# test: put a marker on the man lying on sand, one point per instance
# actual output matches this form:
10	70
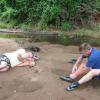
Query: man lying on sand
20	57
89	69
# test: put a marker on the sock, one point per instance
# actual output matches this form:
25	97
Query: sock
77	84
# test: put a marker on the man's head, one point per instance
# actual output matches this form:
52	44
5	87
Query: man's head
85	49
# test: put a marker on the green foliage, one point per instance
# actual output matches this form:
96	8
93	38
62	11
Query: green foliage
47	12
65	26
11	24
7	14
88	32
3	25
98	27
26	27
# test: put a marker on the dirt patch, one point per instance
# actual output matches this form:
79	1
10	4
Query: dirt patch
18	85
24	84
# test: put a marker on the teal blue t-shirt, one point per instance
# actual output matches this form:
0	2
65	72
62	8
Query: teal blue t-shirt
94	59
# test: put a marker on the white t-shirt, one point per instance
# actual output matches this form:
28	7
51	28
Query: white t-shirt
13	56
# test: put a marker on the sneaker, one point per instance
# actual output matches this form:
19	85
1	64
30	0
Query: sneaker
66	78
73	86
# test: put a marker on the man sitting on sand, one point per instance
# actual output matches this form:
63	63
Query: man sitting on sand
89	69
19	57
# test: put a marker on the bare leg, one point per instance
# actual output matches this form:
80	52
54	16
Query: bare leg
81	71
3	66
89	76
4	69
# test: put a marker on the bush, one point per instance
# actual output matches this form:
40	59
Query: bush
49	14
7	14
65	26
11	24
3	25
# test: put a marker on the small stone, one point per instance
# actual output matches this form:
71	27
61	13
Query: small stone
33	79
15	91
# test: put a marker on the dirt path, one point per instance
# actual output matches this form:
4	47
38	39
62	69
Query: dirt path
25	84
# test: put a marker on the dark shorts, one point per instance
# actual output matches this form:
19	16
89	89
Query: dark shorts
97	76
5	59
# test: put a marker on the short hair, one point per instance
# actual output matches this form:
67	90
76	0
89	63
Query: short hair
84	46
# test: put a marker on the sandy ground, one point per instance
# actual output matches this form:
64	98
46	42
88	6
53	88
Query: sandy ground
24	84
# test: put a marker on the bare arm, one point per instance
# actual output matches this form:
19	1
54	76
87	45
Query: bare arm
25	61
75	67
78	60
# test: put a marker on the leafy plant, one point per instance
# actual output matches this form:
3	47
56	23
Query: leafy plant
65	26
49	14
